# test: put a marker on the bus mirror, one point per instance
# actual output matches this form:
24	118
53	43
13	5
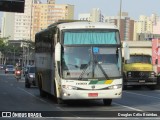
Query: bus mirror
126	51
58	52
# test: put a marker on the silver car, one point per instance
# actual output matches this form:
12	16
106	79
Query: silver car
30	77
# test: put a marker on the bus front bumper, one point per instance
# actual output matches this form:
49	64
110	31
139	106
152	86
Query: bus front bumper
91	94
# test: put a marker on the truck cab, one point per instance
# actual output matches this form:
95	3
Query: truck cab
138	71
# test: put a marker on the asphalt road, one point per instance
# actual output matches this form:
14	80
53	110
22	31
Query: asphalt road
15	97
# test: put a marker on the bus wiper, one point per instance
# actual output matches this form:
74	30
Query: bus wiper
84	70
104	73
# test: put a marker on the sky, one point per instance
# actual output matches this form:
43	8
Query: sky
112	7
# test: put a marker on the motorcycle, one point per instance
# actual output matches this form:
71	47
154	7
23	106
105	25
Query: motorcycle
18	75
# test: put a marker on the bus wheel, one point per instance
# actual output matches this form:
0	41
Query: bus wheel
42	93
107	102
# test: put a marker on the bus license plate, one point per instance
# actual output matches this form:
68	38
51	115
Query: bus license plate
141	81
92	94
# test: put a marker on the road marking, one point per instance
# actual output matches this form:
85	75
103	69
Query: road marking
36	97
32	95
142	95
132	108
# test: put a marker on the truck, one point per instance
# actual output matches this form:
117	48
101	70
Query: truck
139	69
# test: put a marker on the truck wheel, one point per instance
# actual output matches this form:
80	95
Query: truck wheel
107	102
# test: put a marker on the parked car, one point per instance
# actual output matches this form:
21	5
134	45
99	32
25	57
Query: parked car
30	77
9	69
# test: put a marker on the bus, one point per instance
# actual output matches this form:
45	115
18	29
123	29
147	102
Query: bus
79	61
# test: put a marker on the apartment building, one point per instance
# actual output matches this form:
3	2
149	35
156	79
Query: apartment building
37	16
126	25
146	27
94	16
16	26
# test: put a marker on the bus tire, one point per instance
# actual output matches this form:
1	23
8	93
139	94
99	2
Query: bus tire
107	102
42	93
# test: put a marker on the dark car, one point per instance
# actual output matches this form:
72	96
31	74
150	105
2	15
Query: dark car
30	76
9	69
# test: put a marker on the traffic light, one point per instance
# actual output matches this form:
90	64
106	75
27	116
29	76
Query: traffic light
12	6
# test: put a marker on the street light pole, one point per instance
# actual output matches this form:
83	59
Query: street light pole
120	12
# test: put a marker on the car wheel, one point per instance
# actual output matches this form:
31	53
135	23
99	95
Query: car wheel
27	84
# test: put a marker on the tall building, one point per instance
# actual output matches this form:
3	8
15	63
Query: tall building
94	16
46	14
37	16
144	27
16	26
126	26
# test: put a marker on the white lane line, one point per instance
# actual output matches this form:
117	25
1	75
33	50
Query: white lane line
38	97
142	95
132	108
32	95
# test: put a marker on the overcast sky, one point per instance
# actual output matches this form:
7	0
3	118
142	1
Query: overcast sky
111	7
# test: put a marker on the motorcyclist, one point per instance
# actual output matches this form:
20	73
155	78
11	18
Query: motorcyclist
18	72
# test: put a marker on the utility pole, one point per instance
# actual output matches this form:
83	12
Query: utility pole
120	13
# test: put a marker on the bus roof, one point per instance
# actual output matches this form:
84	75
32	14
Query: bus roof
89	25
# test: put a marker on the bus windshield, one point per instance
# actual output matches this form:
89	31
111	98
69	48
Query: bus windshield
139	59
90	62
97	36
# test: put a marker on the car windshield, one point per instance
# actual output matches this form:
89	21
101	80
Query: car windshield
10	66
90	62
139	59
32	70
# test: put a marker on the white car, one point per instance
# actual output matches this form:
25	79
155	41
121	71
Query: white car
9	69
30	77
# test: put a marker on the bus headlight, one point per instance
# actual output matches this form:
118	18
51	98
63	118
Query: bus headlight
69	87
115	86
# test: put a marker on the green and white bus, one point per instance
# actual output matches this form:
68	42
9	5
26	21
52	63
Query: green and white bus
78	61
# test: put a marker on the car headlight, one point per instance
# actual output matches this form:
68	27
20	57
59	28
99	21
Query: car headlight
31	76
69	87
115	86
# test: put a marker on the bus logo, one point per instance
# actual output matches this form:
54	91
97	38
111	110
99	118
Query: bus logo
93	86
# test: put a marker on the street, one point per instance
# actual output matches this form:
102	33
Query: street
15	97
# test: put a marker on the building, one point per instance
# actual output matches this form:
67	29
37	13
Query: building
17	26
146	27
94	16
126	26
37	16
85	16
